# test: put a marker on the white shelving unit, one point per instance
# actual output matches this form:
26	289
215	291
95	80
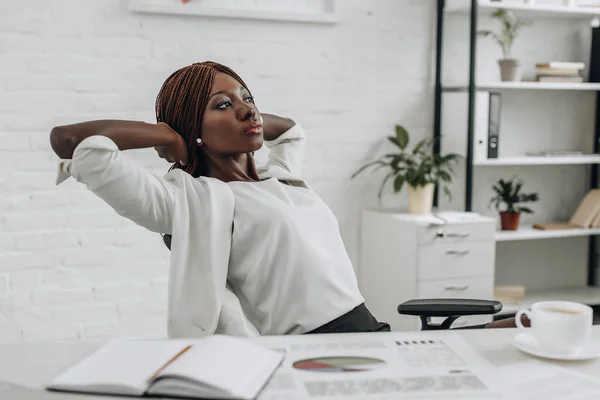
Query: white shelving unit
528	233
526	86
538	10
535	160
586	295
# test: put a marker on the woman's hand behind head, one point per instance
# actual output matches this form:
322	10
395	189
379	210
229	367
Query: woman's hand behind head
176	150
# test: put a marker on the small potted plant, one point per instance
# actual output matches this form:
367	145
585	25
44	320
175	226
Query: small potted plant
420	169
507	199
510	68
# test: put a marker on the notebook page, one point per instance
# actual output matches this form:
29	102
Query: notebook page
119	367
233	365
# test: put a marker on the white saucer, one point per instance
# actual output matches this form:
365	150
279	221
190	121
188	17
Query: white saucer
527	344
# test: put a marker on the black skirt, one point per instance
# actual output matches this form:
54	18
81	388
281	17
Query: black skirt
358	319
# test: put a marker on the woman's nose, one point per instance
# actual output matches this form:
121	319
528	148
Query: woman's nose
248	113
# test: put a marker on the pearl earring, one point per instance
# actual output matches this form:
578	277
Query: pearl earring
199	141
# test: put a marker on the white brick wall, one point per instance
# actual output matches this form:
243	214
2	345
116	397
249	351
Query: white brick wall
70	268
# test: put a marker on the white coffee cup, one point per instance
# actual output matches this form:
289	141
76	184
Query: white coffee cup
561	327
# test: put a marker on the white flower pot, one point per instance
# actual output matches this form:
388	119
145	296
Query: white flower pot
420	199
510	70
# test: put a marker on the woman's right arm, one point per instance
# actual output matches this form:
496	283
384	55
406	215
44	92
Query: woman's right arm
91	153
125	134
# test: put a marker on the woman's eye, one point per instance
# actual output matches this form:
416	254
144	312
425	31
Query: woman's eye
250	99
224	105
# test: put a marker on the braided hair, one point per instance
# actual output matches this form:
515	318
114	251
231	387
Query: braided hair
181	103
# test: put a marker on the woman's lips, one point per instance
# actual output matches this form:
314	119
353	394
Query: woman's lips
253	130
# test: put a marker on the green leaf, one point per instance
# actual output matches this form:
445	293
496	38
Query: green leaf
419	146
525	210
361	169
395	141
402	136
398	183
387	177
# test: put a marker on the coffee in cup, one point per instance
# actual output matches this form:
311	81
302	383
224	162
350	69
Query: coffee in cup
561	327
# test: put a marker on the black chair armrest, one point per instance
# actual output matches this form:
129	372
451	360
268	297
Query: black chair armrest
452	309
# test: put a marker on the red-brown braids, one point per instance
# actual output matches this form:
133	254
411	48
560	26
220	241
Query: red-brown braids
181	102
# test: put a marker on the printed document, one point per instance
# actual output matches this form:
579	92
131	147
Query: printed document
406	365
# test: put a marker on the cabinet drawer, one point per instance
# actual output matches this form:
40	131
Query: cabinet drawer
456	233
456	260
468	288
465	288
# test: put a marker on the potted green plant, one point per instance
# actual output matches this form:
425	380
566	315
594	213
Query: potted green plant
420	169
510	68
507	199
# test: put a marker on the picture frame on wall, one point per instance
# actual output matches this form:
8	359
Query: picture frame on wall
303	11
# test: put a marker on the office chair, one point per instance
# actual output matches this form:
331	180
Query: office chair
452	309
425	309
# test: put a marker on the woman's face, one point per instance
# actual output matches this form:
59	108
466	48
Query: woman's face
231	124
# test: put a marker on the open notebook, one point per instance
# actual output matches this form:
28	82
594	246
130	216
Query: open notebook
216	367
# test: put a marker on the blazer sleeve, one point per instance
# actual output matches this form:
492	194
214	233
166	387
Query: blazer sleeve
130	189
287	151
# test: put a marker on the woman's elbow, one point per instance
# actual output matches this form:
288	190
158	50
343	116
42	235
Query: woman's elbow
62	142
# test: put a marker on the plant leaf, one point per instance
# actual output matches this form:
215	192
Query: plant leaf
361	169
395	141
447	192
387	177
398	183
402	136
419	146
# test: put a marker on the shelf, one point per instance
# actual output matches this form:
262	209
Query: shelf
526	86
533	160
527	10
528	233
198	10
585	295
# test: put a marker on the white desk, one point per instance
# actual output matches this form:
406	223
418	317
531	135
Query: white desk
36	364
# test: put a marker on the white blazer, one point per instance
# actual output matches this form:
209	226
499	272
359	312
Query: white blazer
198	212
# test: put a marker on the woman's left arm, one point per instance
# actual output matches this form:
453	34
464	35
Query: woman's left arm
286	142
274	126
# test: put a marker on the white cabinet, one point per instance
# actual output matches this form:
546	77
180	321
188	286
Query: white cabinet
407	256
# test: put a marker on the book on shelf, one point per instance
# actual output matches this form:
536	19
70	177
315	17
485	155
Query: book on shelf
509	294
567	79
587	214
544	71
216	367
559	71
562	65
554	226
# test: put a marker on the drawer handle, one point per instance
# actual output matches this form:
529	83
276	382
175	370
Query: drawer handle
456	288
441	234
458	252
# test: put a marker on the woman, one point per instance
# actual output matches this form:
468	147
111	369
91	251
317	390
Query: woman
254	251
287	263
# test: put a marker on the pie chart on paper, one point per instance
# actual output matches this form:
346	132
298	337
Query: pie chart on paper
339	364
